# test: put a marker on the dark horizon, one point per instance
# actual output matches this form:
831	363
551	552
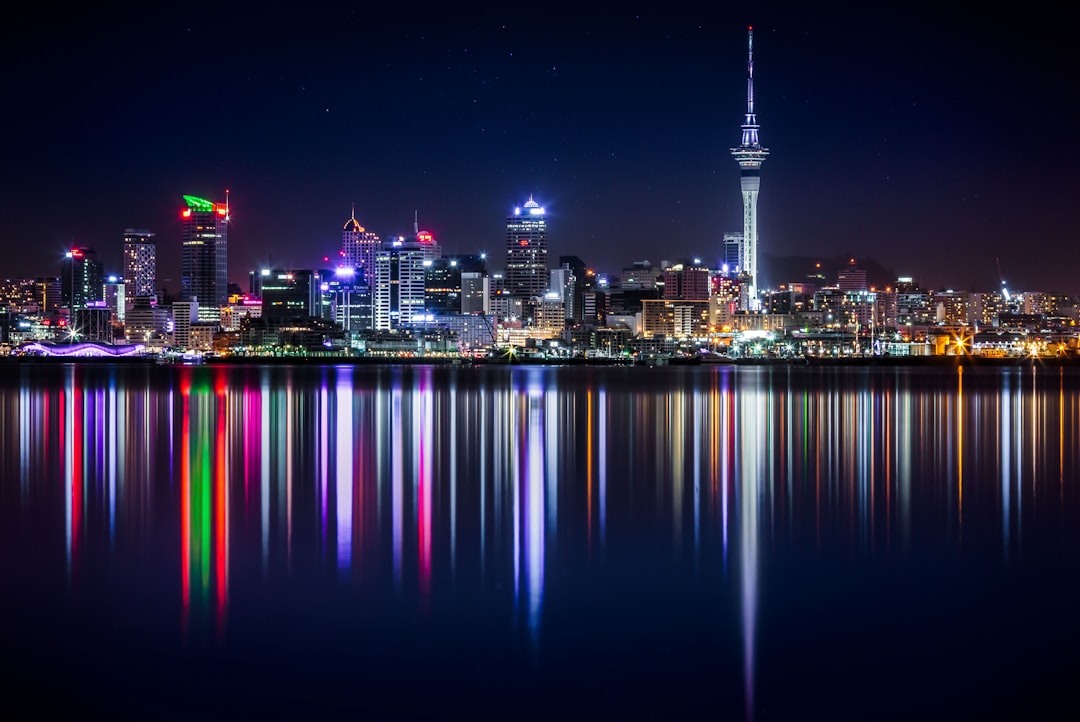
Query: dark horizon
912	137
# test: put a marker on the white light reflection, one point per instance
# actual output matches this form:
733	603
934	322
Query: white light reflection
397	476
323	460
751	418
343	472
534	515
554	447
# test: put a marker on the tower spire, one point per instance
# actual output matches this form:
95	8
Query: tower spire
750	124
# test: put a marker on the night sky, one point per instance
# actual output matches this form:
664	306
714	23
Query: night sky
928	139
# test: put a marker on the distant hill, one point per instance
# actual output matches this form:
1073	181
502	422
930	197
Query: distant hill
775	270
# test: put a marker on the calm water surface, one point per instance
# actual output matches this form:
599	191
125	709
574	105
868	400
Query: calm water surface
742	543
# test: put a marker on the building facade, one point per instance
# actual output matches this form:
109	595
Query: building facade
399	284
140	262
526	273
204	254
359	247
82	278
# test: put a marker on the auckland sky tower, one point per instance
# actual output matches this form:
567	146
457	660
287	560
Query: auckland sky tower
750	155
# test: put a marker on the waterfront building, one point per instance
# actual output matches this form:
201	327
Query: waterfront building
81	278
526	273
289	294
912	303
358	249
20	295
116	297
687	281
675	318
549	315
950	307
47	293
750	155
146	321
399	283
140	262
185	315
204	255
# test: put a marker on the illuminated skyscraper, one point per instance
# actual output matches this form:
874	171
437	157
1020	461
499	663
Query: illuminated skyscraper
358	249
750	155
526	251
204	255
82	279
140	262
399	283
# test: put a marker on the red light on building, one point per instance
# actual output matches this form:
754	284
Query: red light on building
220	211
523	242
76	253
186	213
425	237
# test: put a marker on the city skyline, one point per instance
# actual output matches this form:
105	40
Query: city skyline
906	138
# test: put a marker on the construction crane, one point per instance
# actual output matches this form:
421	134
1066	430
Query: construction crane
1001	277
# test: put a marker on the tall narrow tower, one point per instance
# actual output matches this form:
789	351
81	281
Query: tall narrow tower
204	255
526	251
750	155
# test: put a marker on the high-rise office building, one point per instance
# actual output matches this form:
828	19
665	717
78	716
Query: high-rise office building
82	278
204	255
686	281
750	155
48	293
526	251
290	294
575	300
733	259
140	262
358	249
399	283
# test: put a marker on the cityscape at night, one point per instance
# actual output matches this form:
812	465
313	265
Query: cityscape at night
207	267
534	362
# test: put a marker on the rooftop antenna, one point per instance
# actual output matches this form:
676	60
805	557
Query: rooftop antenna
227	205
416	223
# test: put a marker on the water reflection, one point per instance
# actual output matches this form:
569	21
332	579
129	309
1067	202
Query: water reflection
431	482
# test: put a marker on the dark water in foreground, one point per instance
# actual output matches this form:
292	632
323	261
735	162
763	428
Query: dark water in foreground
749	542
